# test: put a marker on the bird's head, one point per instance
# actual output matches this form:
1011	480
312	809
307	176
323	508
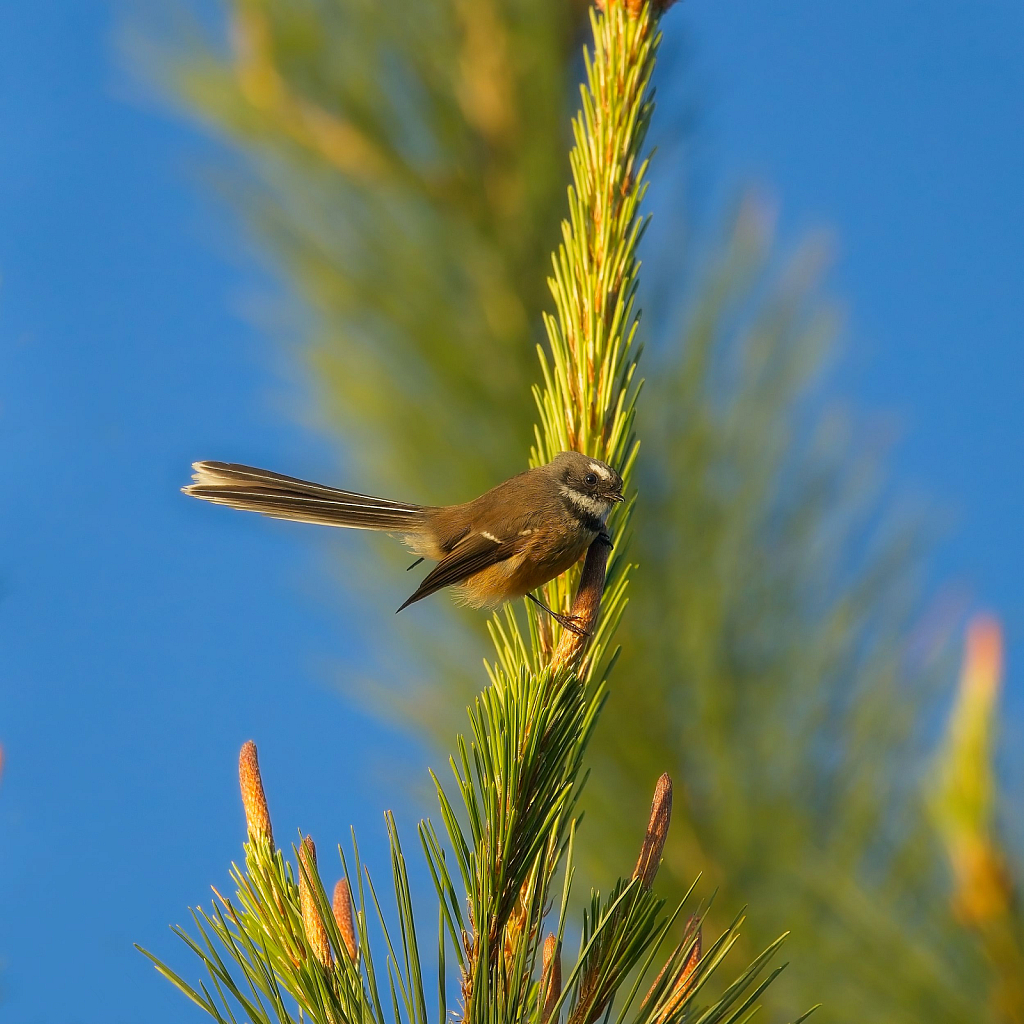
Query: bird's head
588	484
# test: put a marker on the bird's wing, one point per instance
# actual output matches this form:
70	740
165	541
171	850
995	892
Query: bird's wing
474	554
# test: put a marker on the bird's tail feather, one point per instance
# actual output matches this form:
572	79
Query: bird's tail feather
285	497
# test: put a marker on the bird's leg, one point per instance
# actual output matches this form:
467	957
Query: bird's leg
605	538
565	621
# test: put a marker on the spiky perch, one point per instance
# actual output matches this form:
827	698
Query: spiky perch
590	388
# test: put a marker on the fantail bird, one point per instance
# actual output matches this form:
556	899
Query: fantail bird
504	544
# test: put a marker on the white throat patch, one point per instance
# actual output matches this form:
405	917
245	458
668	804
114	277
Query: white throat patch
586	502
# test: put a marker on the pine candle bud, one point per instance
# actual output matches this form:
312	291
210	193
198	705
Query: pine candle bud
634	6
683	982
342	907
254	800
551	977
316	933
677	992
657	832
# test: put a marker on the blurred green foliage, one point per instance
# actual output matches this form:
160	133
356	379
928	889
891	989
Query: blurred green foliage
964	800
406	171
411	177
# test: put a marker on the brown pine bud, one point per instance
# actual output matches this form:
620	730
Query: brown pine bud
673	999
633	7
683	982
312	925
342	907
551	977
254	800
657	832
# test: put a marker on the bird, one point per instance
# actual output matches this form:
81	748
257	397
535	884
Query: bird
505	544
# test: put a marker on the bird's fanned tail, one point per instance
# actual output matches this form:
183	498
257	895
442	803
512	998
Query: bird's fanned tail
286	497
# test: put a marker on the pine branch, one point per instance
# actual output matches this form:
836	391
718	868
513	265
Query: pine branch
280	947
588	401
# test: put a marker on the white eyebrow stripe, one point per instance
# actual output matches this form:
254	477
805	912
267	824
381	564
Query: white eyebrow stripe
601	471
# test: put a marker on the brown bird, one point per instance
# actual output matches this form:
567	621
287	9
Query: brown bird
504	544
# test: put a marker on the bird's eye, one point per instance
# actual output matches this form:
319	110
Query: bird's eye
590	480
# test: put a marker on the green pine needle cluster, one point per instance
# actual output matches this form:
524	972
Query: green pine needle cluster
503	866
588	402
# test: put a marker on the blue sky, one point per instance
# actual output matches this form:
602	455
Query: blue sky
143	641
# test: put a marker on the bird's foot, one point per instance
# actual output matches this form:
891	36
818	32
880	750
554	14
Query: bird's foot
568	622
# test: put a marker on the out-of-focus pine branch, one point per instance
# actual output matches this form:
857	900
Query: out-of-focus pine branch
964	798
409	180
280	950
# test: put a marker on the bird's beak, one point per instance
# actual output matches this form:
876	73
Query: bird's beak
617	497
